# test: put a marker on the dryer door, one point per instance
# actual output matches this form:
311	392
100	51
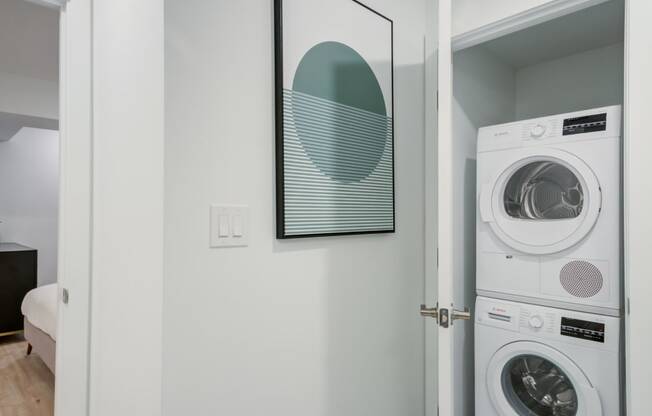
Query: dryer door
545	202
531	379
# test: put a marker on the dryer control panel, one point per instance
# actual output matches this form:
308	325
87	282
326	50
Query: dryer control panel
585	124
593	124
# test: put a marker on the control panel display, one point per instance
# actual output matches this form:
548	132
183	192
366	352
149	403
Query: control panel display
577	328
585	124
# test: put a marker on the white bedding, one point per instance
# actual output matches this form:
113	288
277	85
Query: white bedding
40	308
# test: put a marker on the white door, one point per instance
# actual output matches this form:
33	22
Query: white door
442	397
445	208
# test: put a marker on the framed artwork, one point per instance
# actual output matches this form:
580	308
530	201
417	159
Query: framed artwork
334	119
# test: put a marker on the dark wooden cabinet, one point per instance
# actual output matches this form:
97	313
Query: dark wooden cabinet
17	277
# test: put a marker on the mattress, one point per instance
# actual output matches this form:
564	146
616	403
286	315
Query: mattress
40	308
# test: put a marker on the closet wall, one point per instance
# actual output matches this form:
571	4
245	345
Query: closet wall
488	90
577	82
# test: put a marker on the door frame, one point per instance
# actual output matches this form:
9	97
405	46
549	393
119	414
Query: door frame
637	195
75	206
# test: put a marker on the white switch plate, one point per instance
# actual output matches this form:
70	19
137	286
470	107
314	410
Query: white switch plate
229	225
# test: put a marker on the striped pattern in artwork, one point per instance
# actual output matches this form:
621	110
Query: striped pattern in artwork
338	163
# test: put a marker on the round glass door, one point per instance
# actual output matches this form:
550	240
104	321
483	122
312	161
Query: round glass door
543	202
527	378
534	386
543	190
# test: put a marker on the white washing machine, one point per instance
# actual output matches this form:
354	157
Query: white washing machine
542	361
548	222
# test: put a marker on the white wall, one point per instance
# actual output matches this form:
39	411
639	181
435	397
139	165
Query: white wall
490	91
577	82
29	195
29	39
484	87
29	36
29	96
127	245
325	326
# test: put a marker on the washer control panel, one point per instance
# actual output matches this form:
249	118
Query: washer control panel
546	323
578	328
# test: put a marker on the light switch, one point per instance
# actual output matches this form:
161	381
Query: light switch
229	225
236	225
224	221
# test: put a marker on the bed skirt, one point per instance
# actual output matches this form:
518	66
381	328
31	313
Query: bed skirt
42	344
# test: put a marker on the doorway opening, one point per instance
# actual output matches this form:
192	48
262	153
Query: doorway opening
29	206
568	64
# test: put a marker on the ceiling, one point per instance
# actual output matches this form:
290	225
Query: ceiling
10	124
29	40
587	29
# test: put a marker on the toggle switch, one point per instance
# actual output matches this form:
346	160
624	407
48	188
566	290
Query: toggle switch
229	225
236	222
223	226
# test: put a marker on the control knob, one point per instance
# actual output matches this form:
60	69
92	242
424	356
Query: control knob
538	131
536	321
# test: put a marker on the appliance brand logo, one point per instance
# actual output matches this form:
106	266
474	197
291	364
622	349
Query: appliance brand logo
501	133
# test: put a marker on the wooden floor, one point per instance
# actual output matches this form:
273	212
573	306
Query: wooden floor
26	384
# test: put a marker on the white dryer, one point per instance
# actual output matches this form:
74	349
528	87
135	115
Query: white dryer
541	361
548	222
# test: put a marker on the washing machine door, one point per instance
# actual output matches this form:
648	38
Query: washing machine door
531	379
545	202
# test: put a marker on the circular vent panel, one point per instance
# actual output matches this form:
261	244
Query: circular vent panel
581	279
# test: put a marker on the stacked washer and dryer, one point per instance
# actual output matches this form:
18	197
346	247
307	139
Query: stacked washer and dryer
548	327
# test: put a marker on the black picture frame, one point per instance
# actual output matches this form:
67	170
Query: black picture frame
279	131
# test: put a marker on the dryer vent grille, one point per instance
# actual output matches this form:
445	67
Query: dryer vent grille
581	279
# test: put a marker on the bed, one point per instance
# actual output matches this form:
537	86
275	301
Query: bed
39	310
